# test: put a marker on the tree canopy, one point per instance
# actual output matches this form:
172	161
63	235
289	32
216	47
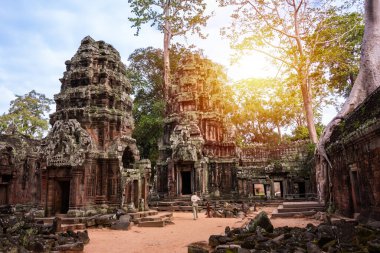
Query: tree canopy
290	33
27	114
145	73
173	18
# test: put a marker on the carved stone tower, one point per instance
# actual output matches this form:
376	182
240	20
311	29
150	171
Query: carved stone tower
197	153
91	156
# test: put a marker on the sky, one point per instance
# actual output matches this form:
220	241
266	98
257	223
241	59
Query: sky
38	36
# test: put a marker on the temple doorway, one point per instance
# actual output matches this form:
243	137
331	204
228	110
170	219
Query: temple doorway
355	191
301	189
278	191
3	194
62	196
186	182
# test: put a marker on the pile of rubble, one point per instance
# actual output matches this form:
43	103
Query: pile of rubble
19	232
260	236
229	210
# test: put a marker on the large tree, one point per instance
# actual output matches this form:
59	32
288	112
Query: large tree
288	33
145	73
173	18
337	60
262	108
366	82
27	115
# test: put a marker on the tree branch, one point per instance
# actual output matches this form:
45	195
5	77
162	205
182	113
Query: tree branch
274	57
267	23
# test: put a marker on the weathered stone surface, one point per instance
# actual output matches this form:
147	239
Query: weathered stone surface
105	220
22	234
199	247
336	237
77	246
354	151
123	223
262	221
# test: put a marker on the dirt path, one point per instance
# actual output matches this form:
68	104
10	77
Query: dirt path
171	238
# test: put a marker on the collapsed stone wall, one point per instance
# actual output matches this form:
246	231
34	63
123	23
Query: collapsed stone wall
354	151
21	170
266	164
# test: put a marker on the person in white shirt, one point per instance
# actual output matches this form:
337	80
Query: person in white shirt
194	201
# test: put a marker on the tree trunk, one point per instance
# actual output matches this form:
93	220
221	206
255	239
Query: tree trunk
279	133
167	37
303	77
308	107
366	82
368	78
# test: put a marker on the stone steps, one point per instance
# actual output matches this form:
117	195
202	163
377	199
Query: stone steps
301	208
78	226
281	209
159	220
301	204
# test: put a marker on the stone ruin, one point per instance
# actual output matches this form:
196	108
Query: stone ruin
198	151
88	163
259	235
354	151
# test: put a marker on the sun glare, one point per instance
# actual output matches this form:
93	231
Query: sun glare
251	65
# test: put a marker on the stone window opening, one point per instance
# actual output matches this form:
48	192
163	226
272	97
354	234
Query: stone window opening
258	190
128	158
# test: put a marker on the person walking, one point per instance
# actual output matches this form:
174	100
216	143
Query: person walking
194	200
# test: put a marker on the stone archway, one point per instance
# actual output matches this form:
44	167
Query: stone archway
128	158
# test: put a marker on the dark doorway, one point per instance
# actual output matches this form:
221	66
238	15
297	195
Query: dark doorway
355	191
278	190
128	158
301	189
3	194
186	182
65	196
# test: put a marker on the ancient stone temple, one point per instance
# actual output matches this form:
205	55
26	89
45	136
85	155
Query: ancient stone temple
90	152
88	162
21	166
354	151
275	171
198	151
196	145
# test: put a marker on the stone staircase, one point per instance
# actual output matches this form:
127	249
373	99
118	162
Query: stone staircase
158	220
150	218
303	208
65	223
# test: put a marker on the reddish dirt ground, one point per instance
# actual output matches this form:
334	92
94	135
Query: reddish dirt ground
172	238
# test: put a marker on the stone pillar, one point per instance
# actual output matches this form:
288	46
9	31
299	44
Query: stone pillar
50	196
205	177
104	177
75	190
240	186
271	188
171	179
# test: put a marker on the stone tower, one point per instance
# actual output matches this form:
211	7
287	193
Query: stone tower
197	153
92	160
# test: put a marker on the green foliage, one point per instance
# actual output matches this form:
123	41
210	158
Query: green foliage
261	108
296	36
27	114
145	72
339	57
301	132
183	16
